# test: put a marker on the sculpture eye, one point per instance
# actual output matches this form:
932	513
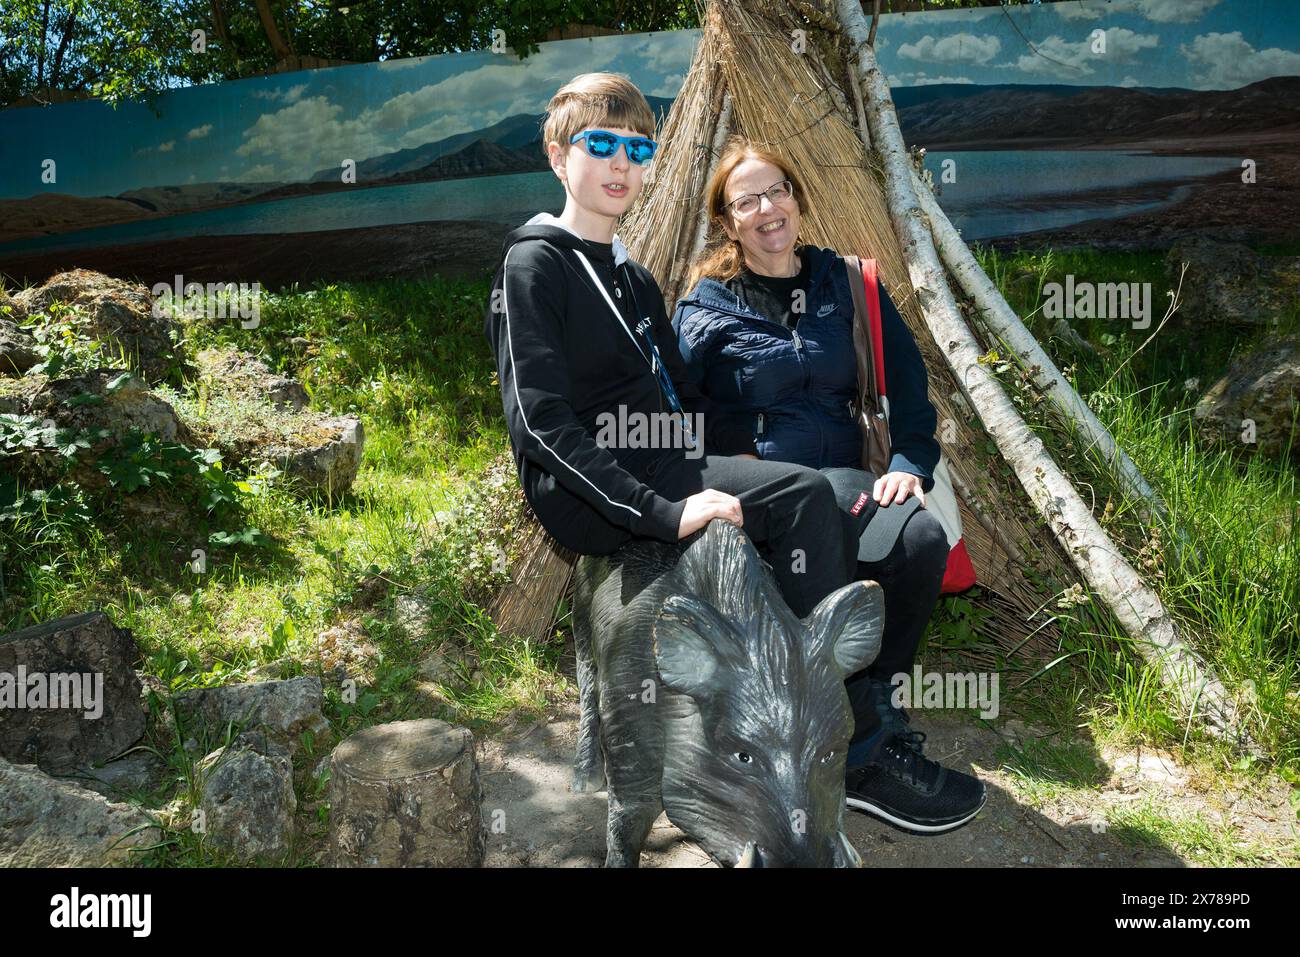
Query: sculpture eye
829	756
743	757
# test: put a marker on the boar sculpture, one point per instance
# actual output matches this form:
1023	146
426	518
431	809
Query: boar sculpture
704	696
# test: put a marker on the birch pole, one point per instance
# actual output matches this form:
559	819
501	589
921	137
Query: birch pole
1002	321
1197	691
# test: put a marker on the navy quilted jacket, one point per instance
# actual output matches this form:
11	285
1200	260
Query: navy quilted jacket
795	386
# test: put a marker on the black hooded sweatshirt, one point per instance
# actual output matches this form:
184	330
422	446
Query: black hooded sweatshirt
563	359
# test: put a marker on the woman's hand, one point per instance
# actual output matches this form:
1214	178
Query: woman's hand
894	487
702	507
745	455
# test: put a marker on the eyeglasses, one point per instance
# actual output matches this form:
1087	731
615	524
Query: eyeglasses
603	144
776	193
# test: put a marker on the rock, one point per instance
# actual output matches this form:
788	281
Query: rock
247	799
155	686
121	317
155	507
330	462
412	615
406	794
61	739
46	822
444	664
1262	387
122	403
13	394
10	308
1149	767
428	698
285	708
105	404
321	453
1229	282
238	372
272	670
140	771
17	349
372	589
344	650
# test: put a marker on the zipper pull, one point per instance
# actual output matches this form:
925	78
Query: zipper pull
798	343
760	423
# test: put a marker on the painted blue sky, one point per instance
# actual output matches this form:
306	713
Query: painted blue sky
284	128
1196	44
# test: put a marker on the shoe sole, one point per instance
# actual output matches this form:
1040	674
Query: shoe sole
916	827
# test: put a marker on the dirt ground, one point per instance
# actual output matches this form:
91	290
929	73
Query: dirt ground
541	823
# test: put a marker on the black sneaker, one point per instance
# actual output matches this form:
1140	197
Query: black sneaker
904	787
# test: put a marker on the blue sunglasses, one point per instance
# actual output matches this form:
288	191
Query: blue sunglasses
603	144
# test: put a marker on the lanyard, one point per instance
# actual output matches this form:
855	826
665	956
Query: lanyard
643	328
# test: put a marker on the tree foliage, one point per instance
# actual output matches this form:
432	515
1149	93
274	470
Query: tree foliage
51	50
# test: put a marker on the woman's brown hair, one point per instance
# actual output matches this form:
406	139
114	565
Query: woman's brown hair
722	259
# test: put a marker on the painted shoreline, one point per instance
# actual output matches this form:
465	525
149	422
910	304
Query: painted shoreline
1218	205
461	248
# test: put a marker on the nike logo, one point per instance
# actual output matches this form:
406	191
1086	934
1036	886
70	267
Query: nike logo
826	310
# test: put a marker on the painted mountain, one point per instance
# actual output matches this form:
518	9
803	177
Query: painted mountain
513	145
518	140
957	115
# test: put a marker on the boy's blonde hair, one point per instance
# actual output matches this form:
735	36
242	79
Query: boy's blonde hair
596	100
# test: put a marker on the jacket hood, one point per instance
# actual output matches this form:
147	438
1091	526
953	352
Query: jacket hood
548	227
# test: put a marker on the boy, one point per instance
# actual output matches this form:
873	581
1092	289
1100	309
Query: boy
581	339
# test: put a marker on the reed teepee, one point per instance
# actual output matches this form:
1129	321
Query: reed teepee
801	79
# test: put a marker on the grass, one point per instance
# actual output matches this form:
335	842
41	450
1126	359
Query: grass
411	359
401	565
1236	592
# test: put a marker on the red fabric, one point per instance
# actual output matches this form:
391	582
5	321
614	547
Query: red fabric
873	315
960	573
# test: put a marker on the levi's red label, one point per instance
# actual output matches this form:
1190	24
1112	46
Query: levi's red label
857	506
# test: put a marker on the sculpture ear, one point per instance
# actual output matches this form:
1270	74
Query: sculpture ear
848	623
689	637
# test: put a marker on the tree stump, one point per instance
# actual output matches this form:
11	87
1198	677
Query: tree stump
406	794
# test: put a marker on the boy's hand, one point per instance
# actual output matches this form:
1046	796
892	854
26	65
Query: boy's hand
702	507
745	455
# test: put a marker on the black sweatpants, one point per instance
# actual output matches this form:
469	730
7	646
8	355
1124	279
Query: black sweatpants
787	506
784	507
910	577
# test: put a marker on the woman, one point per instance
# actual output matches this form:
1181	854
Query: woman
766	332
